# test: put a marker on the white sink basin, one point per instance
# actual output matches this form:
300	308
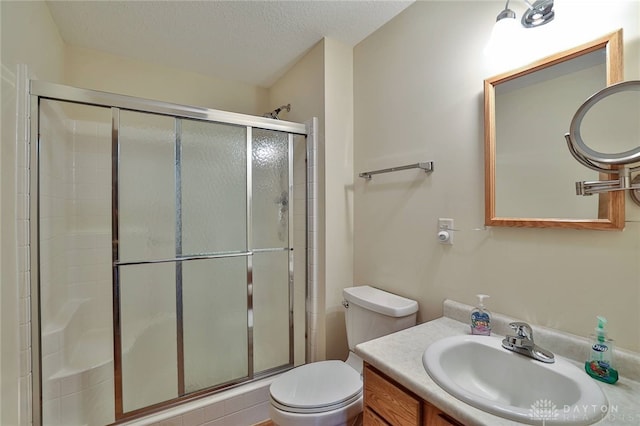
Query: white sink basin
480	372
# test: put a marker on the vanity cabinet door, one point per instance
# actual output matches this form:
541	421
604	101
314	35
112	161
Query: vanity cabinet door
435	417
372	419
388	401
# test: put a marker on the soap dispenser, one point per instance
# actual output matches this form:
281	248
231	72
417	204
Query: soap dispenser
481	318
599	365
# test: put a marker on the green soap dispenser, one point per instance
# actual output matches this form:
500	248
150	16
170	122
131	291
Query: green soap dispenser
599	365
481	318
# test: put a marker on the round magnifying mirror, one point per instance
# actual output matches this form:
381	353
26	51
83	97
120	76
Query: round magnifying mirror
635	193
606	128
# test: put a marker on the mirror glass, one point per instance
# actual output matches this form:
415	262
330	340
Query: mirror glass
612	125
529	173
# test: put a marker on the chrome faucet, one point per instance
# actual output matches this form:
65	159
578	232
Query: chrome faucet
522	343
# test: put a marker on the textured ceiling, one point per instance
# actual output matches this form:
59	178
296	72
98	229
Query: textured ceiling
249	41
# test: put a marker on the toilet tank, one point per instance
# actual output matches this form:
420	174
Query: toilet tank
372	313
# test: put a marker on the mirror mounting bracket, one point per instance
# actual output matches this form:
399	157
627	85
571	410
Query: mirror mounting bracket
599	161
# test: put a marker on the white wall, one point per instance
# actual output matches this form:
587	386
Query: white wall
418	97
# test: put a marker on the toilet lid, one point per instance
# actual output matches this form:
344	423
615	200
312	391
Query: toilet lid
325	384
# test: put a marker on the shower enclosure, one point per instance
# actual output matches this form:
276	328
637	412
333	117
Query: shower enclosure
169	252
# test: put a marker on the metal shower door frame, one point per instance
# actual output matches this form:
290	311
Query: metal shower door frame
50	91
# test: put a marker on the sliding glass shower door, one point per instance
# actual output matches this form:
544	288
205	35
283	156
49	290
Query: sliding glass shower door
145	226
214	178
203	255
208	265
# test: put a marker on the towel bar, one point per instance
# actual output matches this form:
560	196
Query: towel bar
426	166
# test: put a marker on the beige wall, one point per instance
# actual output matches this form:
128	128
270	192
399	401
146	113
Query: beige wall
418	97
338	97
302	86
92	69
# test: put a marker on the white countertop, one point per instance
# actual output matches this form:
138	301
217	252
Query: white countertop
399	356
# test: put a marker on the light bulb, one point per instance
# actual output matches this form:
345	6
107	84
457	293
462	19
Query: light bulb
502	38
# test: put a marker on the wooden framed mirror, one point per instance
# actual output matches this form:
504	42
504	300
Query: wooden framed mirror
529	173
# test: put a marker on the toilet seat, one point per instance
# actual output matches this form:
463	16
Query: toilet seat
316	388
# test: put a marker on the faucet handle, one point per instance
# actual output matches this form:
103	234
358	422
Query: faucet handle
522	329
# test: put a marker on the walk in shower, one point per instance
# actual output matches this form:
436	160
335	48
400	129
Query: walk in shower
169	252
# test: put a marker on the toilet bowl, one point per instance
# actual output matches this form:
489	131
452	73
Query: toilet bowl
325	393
329	393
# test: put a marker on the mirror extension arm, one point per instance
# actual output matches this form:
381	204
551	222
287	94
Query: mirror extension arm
598	161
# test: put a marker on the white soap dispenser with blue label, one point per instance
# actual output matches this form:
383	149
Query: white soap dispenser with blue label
481	318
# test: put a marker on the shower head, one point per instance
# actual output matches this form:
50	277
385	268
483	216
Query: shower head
274	114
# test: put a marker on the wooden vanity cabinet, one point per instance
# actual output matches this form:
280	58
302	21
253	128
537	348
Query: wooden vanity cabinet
387	403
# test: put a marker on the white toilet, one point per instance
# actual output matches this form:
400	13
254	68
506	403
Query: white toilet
329	393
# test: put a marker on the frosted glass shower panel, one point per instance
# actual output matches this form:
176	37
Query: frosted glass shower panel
270	153
74	217
148	334
213	174
214	294
271	310
147	187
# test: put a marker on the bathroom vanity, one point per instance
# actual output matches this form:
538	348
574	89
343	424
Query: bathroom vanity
387	402
399	391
